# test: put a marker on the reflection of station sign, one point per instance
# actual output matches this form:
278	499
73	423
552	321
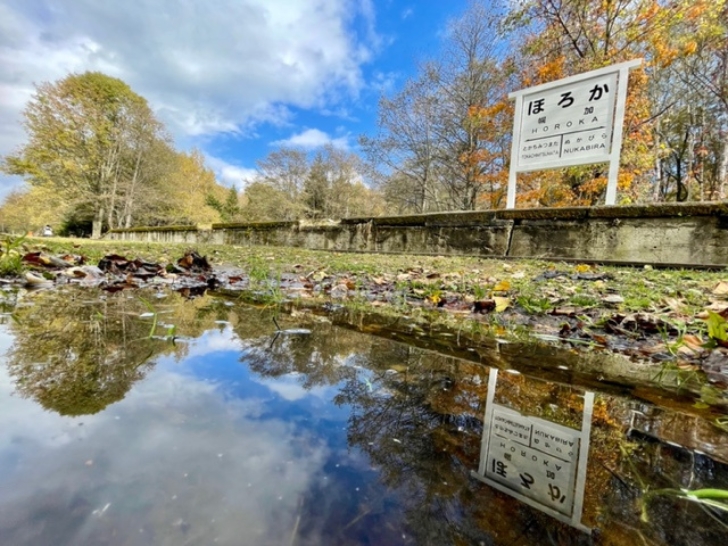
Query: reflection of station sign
573	121
536	461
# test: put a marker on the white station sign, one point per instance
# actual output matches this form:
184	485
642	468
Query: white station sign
569	125
573	121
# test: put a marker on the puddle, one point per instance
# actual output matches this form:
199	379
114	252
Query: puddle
128	420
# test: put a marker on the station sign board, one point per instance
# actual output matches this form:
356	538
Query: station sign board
572	121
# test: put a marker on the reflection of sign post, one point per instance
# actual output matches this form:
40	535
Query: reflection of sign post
573	121
538	462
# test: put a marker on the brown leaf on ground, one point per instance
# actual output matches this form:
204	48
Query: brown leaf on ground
192	261
674	304
485	306
717	307
41	259
644	322
693	341
721	289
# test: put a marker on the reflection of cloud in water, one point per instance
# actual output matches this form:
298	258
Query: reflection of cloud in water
174	461
23	423
289	388
215	341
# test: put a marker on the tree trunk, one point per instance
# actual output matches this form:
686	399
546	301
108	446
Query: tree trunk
723	168
657	191
97	224
129	201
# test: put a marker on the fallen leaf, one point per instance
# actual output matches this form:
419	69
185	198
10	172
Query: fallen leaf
692	341
582	268
717	307
485	306
31	279
564	311
721	289
686	351
675	304
501	304
502	286
613	299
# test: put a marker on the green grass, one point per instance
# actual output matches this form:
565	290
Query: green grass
11	256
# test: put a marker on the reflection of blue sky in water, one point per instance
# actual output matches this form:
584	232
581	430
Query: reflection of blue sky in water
199	450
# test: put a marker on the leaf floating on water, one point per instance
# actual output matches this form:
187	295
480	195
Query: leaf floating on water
31	279
100	511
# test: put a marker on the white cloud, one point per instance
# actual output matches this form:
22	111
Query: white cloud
230	174
311	139
206	68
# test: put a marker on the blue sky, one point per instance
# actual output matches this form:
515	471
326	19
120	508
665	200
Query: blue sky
234	78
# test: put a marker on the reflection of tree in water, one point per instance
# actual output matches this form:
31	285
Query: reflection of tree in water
326	357
77	352
417	417
416	414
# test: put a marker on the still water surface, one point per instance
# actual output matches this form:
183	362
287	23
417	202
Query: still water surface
145	419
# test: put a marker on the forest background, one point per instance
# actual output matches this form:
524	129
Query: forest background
96	154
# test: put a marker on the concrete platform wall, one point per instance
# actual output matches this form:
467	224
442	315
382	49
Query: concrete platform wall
676	234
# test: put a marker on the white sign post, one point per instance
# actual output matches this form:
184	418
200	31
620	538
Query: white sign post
574	121
541	463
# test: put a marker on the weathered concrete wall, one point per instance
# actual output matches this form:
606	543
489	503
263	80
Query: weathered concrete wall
694	234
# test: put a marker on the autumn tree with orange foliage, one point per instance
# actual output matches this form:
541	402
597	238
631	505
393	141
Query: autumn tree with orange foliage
560	38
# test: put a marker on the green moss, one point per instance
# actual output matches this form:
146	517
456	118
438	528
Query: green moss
254	225
565	213
659	210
